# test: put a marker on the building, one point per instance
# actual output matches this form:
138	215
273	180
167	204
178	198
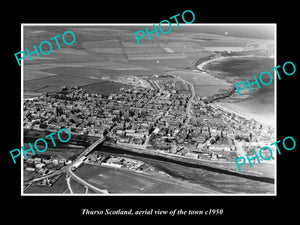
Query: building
112	165
78	163
40	165
191	155
30	169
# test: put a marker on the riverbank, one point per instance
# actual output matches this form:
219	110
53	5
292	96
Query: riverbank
261	172
216	179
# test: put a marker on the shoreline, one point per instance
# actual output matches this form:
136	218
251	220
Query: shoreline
237	108
219	58
225	106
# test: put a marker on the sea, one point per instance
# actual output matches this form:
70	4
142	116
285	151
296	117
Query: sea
260	105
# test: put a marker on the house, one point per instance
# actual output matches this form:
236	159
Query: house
205	130
43	171
124	139
120	132
55	161
40	165
137	135
138	141
30	169
92	157
219	148
62	162
214	157
191	155
222	158
37	160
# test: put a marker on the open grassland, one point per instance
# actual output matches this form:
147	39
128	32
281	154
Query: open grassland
85	72
176	63
30	74
133	43
204	84
105	87
107	50
74	71
155	56
43	60
222	182
125	181
113	51
143	50
56	82
90	79
76	187
103	44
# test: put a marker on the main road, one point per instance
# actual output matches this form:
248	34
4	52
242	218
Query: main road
78	179
83	182
69	171
188	108
90	148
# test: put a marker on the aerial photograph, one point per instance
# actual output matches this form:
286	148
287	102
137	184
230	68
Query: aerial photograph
162	117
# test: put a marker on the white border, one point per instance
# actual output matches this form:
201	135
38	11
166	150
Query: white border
147	24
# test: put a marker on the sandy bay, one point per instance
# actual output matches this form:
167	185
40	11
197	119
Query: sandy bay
260	104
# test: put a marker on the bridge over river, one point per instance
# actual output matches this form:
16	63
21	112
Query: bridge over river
68	169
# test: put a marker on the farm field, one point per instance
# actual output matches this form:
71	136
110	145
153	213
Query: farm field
143	50
204	84
156	56
101	51
107	50
123	181
55	82
205	178
103	44
105	87
35	74
76	187
96	73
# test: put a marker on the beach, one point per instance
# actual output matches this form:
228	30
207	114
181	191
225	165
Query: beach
202	65
242	109
260	105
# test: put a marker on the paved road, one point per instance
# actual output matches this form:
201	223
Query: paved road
57	172
84	183
239	148
84	153
188	108
78	179
90	148
69	185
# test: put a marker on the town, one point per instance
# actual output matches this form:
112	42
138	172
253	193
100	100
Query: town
167	119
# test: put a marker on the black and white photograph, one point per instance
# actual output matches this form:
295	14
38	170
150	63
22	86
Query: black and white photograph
145	117
145	113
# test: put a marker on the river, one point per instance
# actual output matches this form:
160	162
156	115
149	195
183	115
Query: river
208	177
